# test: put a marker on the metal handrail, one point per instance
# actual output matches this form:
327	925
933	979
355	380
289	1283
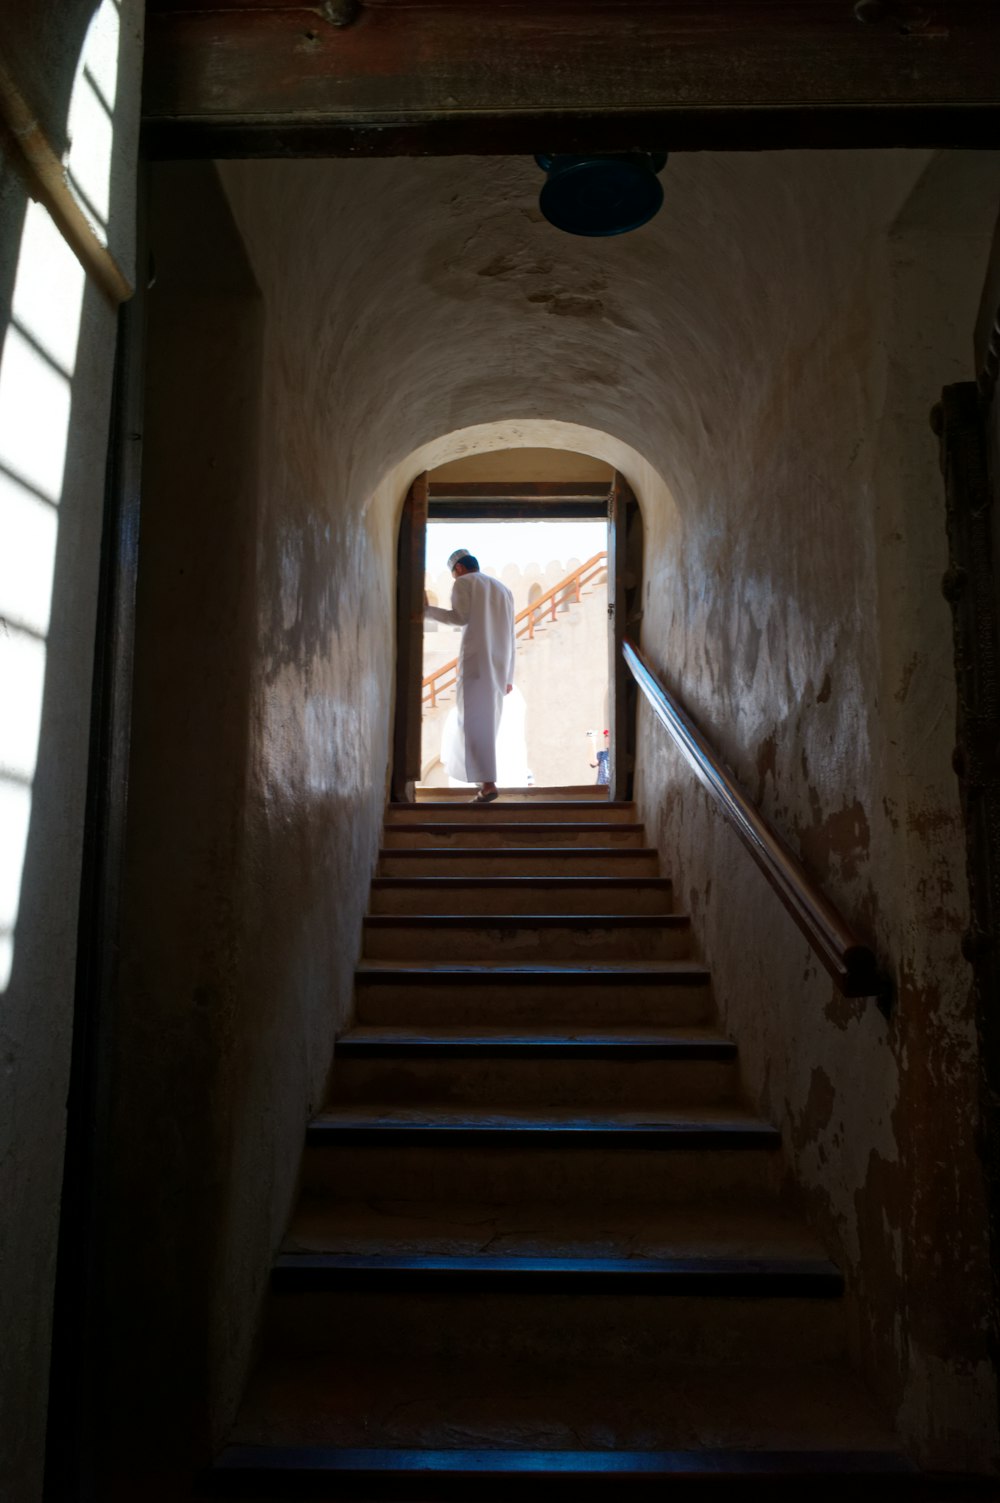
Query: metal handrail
851	963
524	622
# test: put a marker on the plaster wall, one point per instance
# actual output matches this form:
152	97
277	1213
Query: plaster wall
801	619
183	1011
261	716
758	362
58	334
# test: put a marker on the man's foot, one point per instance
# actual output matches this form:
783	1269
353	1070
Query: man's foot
486	795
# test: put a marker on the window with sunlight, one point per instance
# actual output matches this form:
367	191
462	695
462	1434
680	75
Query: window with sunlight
37	371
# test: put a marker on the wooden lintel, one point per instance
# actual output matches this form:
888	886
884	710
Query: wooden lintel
516	501
485	76
517	511
519	490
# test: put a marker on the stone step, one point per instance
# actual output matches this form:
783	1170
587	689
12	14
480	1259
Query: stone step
488	833
540	861
301	1274
671	993
544	1068
620	1045
521	894
502	1408
689	1154
488	1476
542	1311
501	811
537	937
592	1230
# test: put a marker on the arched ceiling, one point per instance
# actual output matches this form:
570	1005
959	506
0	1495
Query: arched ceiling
431	296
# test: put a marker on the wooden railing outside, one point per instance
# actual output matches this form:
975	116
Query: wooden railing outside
444	678
850	962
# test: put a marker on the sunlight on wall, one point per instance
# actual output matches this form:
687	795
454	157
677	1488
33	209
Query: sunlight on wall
91	119
36	391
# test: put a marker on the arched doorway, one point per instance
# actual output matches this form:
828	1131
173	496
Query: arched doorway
602	593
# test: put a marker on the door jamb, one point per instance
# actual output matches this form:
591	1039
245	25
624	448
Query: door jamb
540	501
967	421
625	611
411	551
75	1421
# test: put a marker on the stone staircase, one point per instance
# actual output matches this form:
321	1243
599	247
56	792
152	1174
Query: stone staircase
541	1246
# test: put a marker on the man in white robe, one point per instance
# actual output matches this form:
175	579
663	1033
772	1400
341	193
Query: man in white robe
484	609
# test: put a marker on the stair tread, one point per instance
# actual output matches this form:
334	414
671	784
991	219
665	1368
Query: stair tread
517	880
569	827
639	1036
540	803
454	1274
570	970
444	1116
555	1263
484	853
435	1228
481	1464
389	1041
530	920
495	1405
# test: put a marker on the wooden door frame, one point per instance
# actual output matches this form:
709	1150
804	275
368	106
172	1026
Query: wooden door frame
967	421
516	501
76	1422
411	547
625	612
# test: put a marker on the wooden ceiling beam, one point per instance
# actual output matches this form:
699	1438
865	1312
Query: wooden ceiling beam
401	77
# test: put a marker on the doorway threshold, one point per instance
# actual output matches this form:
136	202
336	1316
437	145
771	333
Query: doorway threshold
598	792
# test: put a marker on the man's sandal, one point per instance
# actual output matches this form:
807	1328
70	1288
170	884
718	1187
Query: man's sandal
485	798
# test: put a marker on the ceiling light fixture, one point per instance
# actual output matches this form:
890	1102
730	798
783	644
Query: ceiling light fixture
601	195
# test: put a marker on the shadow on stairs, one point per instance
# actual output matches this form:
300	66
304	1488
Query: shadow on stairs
543	1246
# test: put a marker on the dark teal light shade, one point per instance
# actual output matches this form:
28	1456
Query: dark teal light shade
607	195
